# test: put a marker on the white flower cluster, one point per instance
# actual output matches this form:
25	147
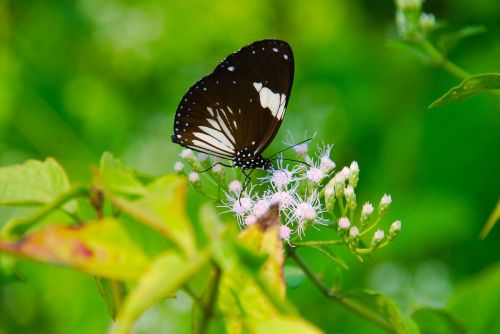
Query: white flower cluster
310	194
288	189
412	23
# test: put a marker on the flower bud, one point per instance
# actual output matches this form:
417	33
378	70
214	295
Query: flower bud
343	226
366	212
354	174
194	177
339	183
187	154
353	237
350	197
409	4
235	186
378	236
394	230
384	205
217	169
178	167
202	157
427	21
330	196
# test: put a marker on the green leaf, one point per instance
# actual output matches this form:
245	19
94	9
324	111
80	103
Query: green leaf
476	301
34	183
448	41
492	220
409	47
436	321
283	324
331	255
165	276
470	86
386	308
162	208
101	248
18	226
113	292
294	277
117	177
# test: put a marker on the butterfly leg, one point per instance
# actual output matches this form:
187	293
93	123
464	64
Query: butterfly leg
215	164
245	182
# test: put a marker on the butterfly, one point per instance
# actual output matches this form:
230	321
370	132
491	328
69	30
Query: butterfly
236	111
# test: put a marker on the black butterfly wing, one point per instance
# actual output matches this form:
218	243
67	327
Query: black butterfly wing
241	104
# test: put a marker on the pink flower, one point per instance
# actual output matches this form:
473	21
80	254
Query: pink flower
194	177
261	207
344	223
235	186
250	220
315	175
285	232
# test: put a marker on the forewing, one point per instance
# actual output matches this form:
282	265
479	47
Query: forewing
241	104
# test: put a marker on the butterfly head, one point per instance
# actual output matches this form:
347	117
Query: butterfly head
247	159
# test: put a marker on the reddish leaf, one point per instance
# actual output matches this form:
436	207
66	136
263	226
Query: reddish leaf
102	248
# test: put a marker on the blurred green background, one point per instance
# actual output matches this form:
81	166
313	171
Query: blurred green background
81	77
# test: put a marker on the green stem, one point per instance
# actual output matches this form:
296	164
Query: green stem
19	226
342	207
440	60
370	227
350	304
211	298
317	243
371	250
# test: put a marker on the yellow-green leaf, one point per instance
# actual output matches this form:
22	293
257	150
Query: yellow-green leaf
117	177
101	248
163	208
283	325
470	86
34	183
251	290
165	276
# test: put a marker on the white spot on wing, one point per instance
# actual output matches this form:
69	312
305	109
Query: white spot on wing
275	49
273	101
212	141
225	129
231	68
214	124
211	111
208	148
217	135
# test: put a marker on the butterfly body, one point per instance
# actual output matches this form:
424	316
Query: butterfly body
236	111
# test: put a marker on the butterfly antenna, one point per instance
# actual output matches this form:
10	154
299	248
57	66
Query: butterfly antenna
302	162
302	142
215	164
